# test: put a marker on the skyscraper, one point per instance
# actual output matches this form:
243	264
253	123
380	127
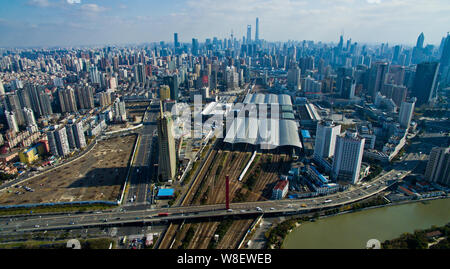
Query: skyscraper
406	112
425	81
420	41
175	40
293	78
67	100
164	92
172	82
249	34
325	143
438	167
377	77
194	46
139	73
12	123
257	30
58	142
12	104
29	116
348	157
167	157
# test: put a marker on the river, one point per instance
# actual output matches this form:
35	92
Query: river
353	230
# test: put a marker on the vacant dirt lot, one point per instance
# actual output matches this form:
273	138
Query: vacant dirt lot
96	176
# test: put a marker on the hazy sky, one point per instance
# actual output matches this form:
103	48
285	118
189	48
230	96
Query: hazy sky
92	22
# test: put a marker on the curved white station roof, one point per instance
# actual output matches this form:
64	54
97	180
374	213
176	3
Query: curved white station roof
259	98
268	133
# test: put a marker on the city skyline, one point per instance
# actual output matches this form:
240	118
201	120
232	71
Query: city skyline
48	23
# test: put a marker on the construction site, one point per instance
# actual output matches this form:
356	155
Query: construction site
97	175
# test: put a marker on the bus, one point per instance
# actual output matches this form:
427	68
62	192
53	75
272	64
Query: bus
328	201
163	214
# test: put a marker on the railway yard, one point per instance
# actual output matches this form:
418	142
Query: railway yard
209	188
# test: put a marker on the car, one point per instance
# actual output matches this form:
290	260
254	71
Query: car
259	208
229	210
71	223
36	226
272	208
105	220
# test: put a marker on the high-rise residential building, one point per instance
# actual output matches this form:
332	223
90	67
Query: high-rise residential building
2	88
120	113
29	116
438	167
325	143
164	92
140	73
70	137
293	78
78	131
12	122
348	157
67	100
377	78
85	97
167	156
12	104
249	34
257	30
425	82
406	112
45	104
58	142
232	78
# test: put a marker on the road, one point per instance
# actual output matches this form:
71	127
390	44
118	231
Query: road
142	170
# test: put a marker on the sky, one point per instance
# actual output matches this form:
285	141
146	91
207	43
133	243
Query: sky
35	23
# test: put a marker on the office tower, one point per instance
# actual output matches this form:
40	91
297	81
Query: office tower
175	40
172	82
194	46
78	132
397	52
293	79
257	30
29	116
67	100
348	157
377	77
12	104
164	92
406	112
12	122
348	88
438	167
139	73
395	92
396	75
167	158
420	41
85	97
249	34
445	62
425	82
57	140
325	143
120	113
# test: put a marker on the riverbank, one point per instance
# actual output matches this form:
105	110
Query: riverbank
276	235
386	216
